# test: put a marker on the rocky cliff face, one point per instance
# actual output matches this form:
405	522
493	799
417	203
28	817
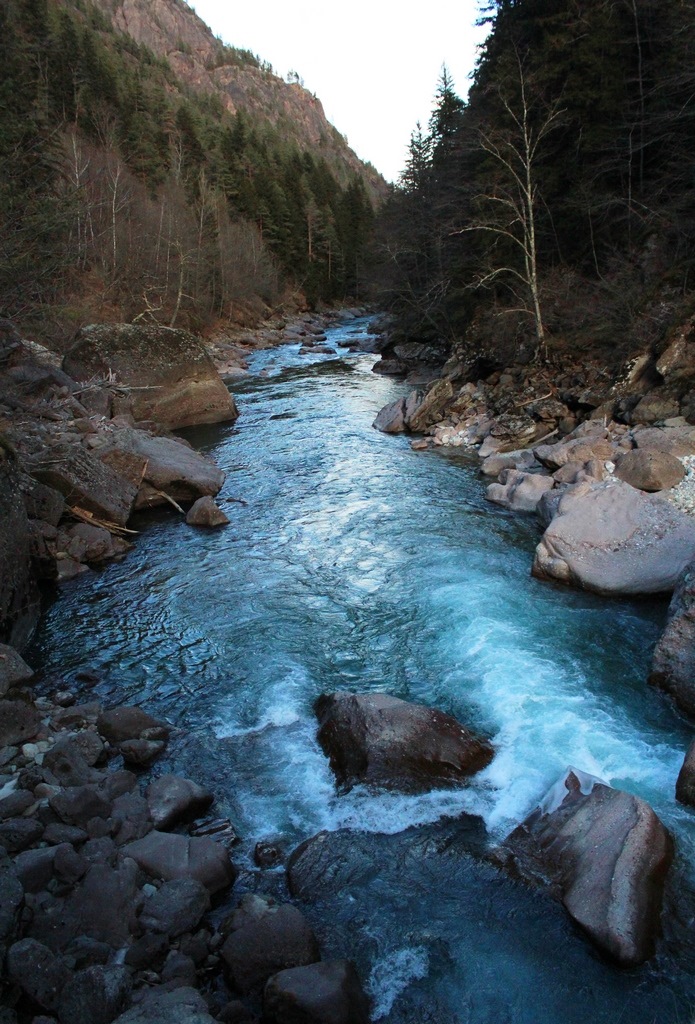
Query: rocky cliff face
172	30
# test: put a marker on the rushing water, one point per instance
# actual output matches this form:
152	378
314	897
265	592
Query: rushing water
353	562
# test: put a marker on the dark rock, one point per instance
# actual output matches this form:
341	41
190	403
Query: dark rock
176	907
13	669
204	512
77	805
167	856
673	662
268	853
182	1006
265	939
15	804
18	833
656	407
42	502
131	813
19	597
35	868
87	482
11	903
430	409
172	799
86	952
379	740
68	865
141	753
19	722
149	952
84	912
178	970
685	785
391	419
67	763
649	470
100	851
606	855
118	784
38	972
58	832
174	378
324	993
95	995
130	723
93	544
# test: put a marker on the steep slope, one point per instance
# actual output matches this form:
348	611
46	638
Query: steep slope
171	29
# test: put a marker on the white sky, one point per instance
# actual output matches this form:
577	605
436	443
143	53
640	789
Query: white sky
373	65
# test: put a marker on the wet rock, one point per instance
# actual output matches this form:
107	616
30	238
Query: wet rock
519	492
93	544
18	833
167	856
610	538
324	993
685	784
174	379
379	740
183	1006
649	470
264	939
204	512
391	419
161	465
87	482
673	662
19	722
606	854
176	907
141	753
95	995
129	723
38	972
172	799
13	669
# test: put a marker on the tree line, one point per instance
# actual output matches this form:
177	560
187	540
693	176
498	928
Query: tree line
123	189
558	202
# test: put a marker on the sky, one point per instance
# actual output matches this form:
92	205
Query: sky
373	65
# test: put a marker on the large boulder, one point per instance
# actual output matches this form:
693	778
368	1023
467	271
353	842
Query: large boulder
172	799
19	597
13	669
649	469
430	406
605	854
391	419
673	662
325	993
519	492
610	538
174	380
167	856
379	740
87	481
183	1005
580	449
676	441
176	907
685	783
159	466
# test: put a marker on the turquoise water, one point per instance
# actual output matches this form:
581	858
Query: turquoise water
353	562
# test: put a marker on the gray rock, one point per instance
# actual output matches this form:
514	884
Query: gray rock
130	723
685	784
494	464
68	865
649	470
606	854
204	512
35	868
179	970
182	1006
430	409
131	813
673	661
167	856
42	502
87	482
519	492
67	763
13	669
19	722
18	833
15	804
11	903
37	971
174	378
391	419
324	993
176	907
95	995
610	538
57	832
77	805
379	740
141	753
580	449
172	799
677	441
266	939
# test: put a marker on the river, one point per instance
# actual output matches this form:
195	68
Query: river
353	562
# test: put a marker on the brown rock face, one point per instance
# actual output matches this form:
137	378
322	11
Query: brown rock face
379	740
606	855
174	378
673	663
649	470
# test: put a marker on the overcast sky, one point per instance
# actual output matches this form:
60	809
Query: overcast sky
373	65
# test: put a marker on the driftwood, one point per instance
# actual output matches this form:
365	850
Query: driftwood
88	517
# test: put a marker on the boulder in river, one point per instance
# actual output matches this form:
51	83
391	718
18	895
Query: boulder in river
605	854
379	740
518	491
173	379
685	784
610	538
323	993
204	512
673	662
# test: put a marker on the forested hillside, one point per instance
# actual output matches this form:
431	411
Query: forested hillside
127	192
555	209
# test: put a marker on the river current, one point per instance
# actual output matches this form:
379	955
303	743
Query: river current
353	562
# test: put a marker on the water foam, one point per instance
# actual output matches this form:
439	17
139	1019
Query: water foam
392	974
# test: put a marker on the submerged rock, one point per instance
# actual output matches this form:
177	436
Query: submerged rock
379	740
605	854
610	538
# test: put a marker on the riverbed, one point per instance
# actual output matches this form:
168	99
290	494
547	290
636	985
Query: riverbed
353	562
